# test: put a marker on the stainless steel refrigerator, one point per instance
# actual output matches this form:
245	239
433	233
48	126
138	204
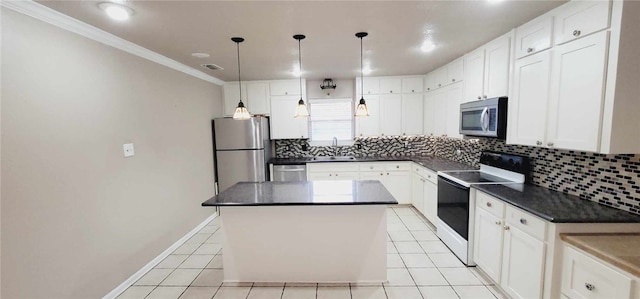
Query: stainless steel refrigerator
241	150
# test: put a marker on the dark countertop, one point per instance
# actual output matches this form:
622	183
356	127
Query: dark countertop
432	162
303	193
556	206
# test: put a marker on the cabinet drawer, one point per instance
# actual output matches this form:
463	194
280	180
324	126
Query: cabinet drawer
398	166
372	166
412	85
526	222
534	37
425	173
332	167
490	204
585	277
581	18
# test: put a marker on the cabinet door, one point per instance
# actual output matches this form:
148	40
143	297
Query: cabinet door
429	82
454	99
529	103
258	98
346	175
428	114
232	97
533	37
412	85
440	112
522	264
390	115
441	77
399	185
372	175
319	176
412	114
488	240
496	68
371	86
390	85
367	126
283	124
455	71
473	75
431	202
577	93
581	18
285	87
417	193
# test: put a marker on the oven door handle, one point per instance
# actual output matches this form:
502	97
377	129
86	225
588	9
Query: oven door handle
483	123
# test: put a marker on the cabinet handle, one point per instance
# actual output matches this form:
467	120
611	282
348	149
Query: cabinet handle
549	144
336	174
370	167
479	97
330	174
453	80
387	173
484	96
413	90
286	92
381	173
439	84
360	134
576	33
390	91
538	142
397	166
428	88
506	227
529	50
382	134
589	286
488	204
498	222
523	221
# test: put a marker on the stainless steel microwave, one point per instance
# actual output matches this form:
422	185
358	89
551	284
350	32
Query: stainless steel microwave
486	118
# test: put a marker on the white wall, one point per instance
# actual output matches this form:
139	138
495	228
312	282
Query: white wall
344	89
77	218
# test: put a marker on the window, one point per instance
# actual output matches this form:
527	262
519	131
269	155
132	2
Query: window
331	118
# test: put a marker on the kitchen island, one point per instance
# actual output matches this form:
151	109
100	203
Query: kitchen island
311	231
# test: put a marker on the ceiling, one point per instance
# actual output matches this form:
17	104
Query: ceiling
396	30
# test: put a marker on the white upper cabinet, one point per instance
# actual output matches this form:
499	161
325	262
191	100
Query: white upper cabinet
534	36
390	115
371	85
412	114
440	112
258	99
496	68
285	87
390	85
283	124
232	97
429	82
428	114
455	71
486	70
440	76
412	85
453	101
473	75
577	93
577	19
368	126
529	102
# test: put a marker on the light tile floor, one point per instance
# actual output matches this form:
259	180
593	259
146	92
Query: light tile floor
419	265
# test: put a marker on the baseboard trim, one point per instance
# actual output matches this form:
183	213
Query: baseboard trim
131	280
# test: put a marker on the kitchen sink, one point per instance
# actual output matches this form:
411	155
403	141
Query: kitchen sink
334	158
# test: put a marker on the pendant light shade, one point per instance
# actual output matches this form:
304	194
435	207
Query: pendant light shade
361	109
241	112
302	110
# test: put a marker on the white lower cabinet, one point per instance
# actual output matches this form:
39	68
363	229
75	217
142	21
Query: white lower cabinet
425	192
417	192
507	248
584	276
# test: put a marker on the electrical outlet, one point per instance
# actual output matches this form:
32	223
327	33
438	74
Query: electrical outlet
359	146
128	150
458	152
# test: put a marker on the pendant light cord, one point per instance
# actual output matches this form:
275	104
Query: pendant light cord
300	67
239	81
361	72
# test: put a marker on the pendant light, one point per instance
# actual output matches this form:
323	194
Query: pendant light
241	112
302	110
361	109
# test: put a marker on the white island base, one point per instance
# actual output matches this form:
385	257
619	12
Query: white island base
305	243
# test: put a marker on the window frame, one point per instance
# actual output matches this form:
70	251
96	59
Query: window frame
349	141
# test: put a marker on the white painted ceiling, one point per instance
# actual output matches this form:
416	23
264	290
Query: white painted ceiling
396	30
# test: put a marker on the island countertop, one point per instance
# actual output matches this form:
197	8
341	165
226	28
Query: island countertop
346	192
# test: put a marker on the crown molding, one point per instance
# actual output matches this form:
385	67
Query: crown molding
53	17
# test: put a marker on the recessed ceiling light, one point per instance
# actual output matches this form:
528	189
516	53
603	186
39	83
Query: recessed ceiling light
296	71
367	70
200	55
494	1
116	11
427	46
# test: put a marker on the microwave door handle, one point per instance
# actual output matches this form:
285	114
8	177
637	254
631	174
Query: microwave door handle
483	117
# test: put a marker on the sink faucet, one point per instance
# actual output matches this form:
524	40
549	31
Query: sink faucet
334	144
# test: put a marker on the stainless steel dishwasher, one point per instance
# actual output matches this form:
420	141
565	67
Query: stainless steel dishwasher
288	173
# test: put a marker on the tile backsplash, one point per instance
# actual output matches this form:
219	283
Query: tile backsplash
612	180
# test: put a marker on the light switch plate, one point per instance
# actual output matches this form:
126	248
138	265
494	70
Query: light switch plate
128	150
